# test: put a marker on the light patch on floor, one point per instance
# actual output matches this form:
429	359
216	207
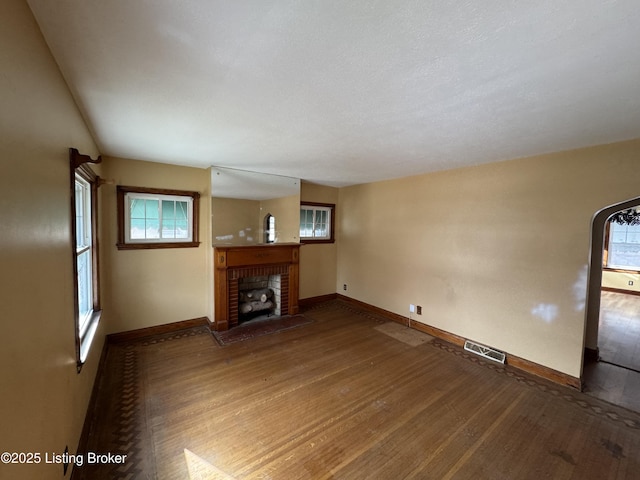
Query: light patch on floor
405	334
200	469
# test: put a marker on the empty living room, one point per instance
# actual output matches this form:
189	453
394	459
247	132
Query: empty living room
320	240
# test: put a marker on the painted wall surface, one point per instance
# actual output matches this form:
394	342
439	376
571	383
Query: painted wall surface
286	211
495	253
44	400
151	287
235	221
318	262
620	280
241	222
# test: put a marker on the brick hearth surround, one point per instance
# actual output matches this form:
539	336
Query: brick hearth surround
235	262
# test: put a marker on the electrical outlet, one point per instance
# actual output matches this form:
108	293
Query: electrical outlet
630	283
419	308
412	308
344	286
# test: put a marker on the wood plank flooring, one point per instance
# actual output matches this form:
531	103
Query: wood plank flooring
616	378
619	330
339	399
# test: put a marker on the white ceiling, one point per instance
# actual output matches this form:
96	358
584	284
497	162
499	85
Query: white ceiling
344	92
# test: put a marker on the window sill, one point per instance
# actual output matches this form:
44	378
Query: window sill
147	246
620	270
311	241
86	338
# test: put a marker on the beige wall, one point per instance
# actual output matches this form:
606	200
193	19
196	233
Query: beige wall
241	222
143	288
318	262
43	400
235	221
286	211
496	253
620	280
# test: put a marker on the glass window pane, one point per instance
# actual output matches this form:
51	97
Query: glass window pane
182	211
168	228
137	228
152	228
182	229
618	233
168	210
79	215
85	302
151	209
624	246
136	208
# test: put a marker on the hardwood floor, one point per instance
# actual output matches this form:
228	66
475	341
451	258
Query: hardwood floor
340	399
619	330
616	378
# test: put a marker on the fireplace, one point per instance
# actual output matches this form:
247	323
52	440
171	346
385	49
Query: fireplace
259	297
264	268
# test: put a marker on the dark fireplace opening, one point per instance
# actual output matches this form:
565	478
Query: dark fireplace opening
258	297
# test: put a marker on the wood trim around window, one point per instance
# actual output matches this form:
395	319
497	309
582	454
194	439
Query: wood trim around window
121	191
79	165
332	239
88	174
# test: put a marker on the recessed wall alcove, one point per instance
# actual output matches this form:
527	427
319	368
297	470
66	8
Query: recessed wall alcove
235	262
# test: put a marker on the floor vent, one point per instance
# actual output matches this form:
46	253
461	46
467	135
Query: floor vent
486	352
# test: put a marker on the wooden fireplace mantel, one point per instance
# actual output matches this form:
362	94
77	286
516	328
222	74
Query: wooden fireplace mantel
234	262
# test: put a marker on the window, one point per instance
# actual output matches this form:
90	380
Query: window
269	228
623	246
157	218
317	222
85	247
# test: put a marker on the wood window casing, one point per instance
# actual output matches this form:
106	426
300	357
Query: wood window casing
332	217
85	331
123	244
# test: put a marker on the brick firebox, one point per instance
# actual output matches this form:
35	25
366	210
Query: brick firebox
235	262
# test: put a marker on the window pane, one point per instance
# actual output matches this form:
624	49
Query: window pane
85	302
633	234
144	218
182	211
168	210
151	208
182	229
624	246
152	228
137	208
79	215
306	222
618	233
168	219
168	228
137	228
321	224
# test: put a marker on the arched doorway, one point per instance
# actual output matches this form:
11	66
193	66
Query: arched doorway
605	381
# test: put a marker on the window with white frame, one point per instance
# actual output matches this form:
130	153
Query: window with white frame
157	218
317	222
84	251
623	246
85	247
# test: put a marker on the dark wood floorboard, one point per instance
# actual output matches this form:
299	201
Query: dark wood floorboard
338	399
